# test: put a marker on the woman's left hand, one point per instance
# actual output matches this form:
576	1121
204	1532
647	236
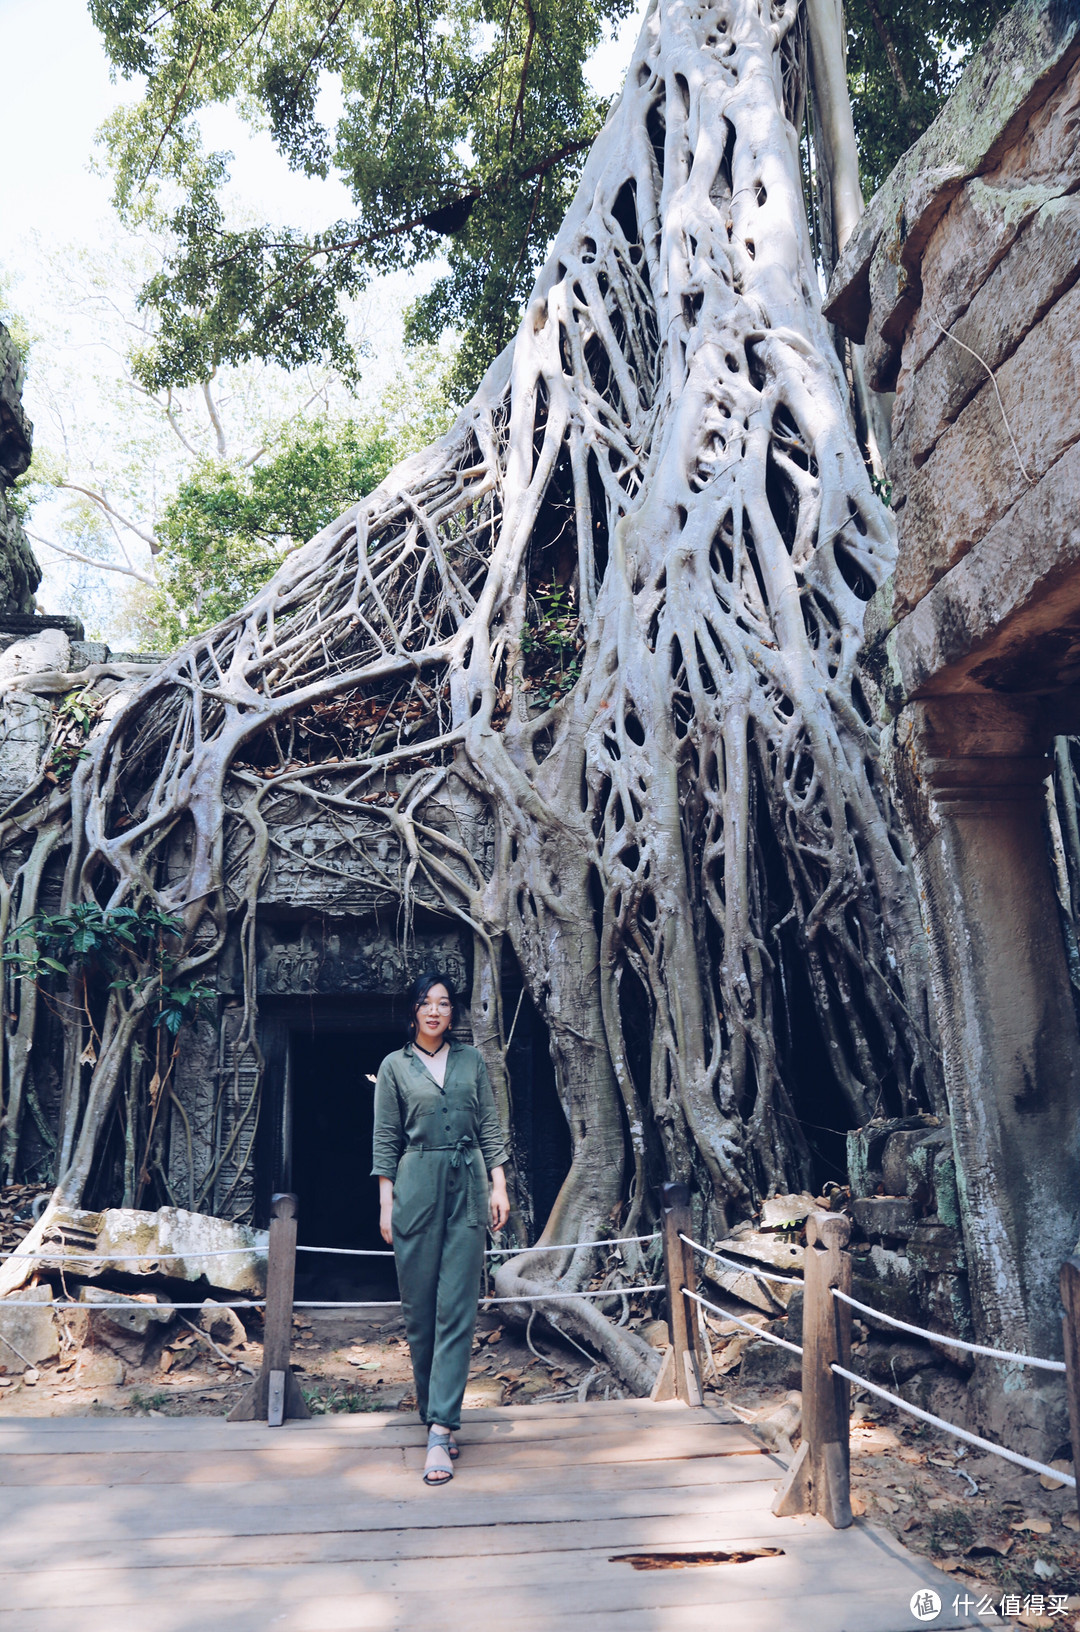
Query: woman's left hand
500	1201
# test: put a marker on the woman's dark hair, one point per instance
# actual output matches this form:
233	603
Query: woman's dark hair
417	993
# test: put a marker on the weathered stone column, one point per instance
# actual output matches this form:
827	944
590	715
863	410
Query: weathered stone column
970	771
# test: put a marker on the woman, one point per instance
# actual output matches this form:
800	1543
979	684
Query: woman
437	1137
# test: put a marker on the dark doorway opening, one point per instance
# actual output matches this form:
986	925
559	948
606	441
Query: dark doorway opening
331	1115
541	1136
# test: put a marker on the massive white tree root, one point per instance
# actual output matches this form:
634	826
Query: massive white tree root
700	813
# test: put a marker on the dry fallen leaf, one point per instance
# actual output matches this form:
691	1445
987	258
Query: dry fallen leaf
999	1544
886	1502
1032	1522
949	1564
858	1506
1071	1520
166	1360
1062	1466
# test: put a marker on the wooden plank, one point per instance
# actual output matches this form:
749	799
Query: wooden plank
326	1527
872	1611
378	1479
329	1461
594	1411
202	1435
810	1599
690	1529
810	1562
107	1515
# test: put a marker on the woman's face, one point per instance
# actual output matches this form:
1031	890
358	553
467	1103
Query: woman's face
433	1015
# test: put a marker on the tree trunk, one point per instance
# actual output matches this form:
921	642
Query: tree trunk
698	816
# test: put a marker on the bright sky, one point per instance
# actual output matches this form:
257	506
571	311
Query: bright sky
57	92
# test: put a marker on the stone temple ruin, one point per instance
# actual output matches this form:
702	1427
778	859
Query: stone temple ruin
332	959
963	281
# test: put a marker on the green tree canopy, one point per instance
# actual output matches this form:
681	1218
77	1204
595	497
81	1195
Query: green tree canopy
224	532
463	128
904	57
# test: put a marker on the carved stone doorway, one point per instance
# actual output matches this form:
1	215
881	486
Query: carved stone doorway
321	1059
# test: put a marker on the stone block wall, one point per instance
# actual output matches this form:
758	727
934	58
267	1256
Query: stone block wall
963	281
19	571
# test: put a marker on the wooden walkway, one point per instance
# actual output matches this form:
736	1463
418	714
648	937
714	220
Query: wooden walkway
197	1525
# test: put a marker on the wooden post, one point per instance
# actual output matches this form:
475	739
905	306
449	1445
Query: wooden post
819	1479
1070	1298
275	1393
680	1271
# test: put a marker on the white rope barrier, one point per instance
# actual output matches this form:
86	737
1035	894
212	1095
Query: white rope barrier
77	1254
958	1433
952	1342
354	1303
71	1255
729	1263
569	1246
351	1252
769	1337
135	1307
496	1252
557	1297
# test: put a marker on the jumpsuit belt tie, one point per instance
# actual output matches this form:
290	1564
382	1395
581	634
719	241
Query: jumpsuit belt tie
458	1149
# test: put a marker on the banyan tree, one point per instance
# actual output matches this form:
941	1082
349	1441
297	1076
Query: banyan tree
614	613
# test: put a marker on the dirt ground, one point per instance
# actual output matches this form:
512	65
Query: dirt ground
1009	1540
1001	1533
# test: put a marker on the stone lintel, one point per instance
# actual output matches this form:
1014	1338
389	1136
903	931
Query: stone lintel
22	625
1005	619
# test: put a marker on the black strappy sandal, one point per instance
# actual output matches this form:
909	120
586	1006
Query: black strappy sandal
438	1467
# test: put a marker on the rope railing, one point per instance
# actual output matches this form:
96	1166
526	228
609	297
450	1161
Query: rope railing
73	1254
133	1305
950	1428
950	1342
66	1254
745	1269
592	1292
818	1480
758	1331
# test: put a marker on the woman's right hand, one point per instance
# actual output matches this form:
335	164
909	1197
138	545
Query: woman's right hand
386	1211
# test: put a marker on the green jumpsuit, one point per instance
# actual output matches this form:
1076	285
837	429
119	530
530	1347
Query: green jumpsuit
437	1146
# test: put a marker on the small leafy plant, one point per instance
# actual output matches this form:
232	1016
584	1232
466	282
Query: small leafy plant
75	718
102	952
91	940
551	644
